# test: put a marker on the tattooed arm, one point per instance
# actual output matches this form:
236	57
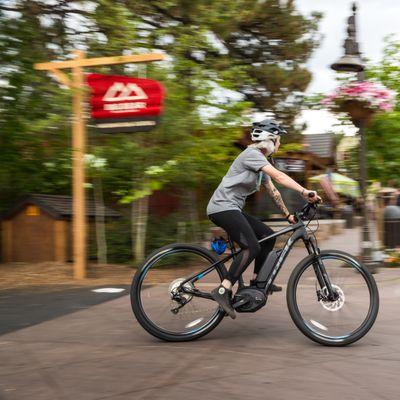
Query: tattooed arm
288	182
273	192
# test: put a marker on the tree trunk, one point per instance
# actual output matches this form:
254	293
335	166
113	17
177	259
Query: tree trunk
140	210
139	217
191	204
100	222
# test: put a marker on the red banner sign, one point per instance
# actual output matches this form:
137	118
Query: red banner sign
123	104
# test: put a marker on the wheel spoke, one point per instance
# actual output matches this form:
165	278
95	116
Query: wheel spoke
159	291
338	321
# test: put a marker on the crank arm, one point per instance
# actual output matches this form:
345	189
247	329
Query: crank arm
240	303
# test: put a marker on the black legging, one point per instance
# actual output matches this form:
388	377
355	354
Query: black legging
245	230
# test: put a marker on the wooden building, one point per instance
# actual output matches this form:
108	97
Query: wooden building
38	228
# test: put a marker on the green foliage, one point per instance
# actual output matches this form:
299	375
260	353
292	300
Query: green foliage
162	231
34	112
289	147
383	144
383	139
119	249
256	48
225	59
388	70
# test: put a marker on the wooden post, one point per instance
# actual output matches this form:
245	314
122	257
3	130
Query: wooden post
78	176
79	137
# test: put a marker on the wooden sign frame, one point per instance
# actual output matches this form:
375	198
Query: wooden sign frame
77	84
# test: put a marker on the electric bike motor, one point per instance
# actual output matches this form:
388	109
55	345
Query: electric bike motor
254	299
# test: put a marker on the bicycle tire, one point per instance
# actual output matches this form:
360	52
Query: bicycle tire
135	291
297	318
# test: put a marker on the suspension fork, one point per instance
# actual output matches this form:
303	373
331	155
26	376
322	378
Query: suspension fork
319	268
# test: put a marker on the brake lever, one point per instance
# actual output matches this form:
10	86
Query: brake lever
307	207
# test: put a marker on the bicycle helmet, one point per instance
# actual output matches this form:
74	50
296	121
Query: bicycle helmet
266	129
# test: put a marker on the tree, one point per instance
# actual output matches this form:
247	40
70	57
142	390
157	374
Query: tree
225	60
258	49
95	169
383	140
34	111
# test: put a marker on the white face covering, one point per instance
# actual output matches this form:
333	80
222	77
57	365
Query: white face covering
268	145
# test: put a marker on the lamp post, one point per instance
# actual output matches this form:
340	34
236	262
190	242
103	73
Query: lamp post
352	62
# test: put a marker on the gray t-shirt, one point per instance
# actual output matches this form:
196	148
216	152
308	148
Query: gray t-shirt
243	178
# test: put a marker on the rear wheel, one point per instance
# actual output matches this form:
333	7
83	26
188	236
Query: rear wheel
343	320
158	302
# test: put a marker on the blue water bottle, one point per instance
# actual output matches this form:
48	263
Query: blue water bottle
219	245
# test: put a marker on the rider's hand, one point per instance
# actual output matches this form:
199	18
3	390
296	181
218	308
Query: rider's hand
291	219
313	199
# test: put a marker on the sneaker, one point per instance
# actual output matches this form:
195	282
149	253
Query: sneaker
273	288
223	297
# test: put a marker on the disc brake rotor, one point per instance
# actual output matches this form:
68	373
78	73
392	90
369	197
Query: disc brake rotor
334	305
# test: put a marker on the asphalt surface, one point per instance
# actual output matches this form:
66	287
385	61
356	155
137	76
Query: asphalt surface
20	308
101	352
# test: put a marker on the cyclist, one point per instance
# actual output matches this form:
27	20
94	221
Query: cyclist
248	171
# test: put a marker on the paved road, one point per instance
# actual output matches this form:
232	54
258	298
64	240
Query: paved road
20	308
102	353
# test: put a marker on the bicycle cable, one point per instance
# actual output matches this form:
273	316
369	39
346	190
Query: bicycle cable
311	231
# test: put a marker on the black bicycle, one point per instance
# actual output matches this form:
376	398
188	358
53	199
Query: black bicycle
332	298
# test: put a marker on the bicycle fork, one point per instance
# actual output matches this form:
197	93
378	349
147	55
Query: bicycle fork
320	271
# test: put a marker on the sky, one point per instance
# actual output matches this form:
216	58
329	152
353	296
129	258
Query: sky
375	20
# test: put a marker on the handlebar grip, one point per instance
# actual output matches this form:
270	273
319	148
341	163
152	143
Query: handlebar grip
311	195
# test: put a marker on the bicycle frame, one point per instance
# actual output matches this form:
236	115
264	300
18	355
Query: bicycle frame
299	232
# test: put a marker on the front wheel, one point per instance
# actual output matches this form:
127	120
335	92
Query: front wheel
158	302
343	320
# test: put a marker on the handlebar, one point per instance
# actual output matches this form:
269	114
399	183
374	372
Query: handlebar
304	211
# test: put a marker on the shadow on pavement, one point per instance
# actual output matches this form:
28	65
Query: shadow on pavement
20	308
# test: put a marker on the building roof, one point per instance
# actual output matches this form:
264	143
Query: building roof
320	144
59	207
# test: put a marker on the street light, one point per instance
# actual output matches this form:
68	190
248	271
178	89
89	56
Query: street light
352	62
